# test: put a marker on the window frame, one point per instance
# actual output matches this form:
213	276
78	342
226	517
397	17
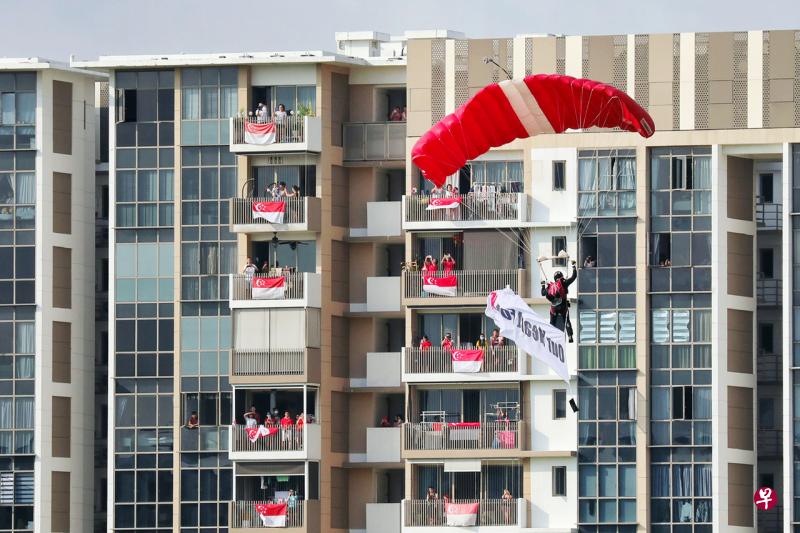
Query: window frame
559	404
558	475
560	176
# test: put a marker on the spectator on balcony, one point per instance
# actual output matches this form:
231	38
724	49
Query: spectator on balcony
496	339
268	420
280	114
448	264
507	498
430	506
448	192
425	344
286	427
294	193
385	422
262	114
250	269
271	191
589	262
428	265
404	114
447	342
398	421
481	342
193	422
291	500
251	417
396	115
282	190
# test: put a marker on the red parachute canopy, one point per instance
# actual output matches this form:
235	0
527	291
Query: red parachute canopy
516	109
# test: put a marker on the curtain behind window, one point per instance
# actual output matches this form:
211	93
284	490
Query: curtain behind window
486	250
190	106
26	188
587	174
701	172
626	179
25	337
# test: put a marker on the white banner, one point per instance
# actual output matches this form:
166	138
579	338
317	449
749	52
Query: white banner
532	334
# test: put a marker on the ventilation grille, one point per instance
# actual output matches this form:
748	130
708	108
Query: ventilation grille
796	85
676	81
740	80
701	89
496	56
103	86
528	56
585	57
561	55
619	69
641	70
462	72
437	80
765	81
510	56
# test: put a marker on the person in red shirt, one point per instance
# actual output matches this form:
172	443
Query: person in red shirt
385	422
448	264
447	342
286	427
428	265
300	424
424	344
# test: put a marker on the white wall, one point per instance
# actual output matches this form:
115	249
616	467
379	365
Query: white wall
549	205
548	511
262	75
548	434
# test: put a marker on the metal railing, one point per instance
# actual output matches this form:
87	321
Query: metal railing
282	439
241	210
471	283
439	360
496	512
268	362
769	216
243	514
290	129
770	442
462	436
769	291
769	367
374	141
474	207
241	286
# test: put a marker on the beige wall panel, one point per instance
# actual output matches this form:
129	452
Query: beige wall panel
740	341
362	265
362	413
720	116
720	92
61	426
340	196
720	56
660	58
479	73
661	94
62	352
340	347
601	58
362	490
661	114
62	203
362	340
781	90
544	55
362	189
59	502
740	418
740	188
418	72
781	115
362	102
740	495
62	277
339	494
62	117
740	264
781	54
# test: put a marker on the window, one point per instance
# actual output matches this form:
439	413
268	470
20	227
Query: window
766	480
559	175
766	263
559	244
488	176
766	338
607	182
559	481
765	182
766	413
559	404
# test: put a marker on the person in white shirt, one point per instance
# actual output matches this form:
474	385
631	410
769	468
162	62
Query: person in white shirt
250	269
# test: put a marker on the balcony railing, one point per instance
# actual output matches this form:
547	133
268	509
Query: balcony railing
268	362
462	436
471	283
770	442
283	439
242	211
241	286
769	291
439	360
474	207
290	129
496	512
374	141
243	514
769	216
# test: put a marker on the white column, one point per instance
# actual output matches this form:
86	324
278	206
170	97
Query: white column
573	64
449	76
519	58
788	334
631	66
755	79
687	81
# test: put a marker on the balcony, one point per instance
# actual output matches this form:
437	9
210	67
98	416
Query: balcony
770	442
300	289
471	284
283	444
491	513
383	445
769	291
435	365
300	214
459	439
302	517
292	134
384	220
475	210
275	366
374	141
384	517
383	296
383	370
769	216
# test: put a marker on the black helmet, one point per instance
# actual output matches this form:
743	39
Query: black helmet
558	275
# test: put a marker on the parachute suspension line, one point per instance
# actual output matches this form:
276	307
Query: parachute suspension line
491	60
519	242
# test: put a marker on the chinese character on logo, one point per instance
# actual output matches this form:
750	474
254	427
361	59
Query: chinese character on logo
765	499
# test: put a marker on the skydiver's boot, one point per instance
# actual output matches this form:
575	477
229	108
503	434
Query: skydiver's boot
568	327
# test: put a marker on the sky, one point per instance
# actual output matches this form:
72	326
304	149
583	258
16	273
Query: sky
56	29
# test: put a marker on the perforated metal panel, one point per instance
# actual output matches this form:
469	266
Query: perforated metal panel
641	70
528	56
585	57
496	56
561	55
740	79
103	93
765	81
796	85
701	86
437	80
510	56
676	81
461	72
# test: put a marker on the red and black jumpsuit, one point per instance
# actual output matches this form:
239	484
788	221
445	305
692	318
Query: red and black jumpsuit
559	308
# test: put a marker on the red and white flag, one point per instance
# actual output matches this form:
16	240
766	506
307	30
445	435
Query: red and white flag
259	133
272	514
260	431
444	286
272	212
467	360
268	288
450	202
461	514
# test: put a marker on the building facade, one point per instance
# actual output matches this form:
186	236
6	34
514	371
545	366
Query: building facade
683	308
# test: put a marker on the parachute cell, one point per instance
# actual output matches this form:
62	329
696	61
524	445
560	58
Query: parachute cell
515	109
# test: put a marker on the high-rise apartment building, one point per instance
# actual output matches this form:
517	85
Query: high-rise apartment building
47	163
683	308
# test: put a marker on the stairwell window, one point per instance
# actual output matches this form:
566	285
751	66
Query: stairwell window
559	175
559	404
559	481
